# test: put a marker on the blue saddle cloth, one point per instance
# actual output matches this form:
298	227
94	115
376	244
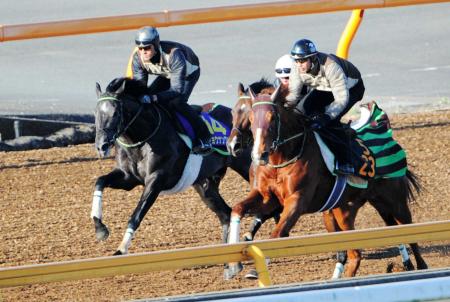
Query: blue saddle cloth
219	131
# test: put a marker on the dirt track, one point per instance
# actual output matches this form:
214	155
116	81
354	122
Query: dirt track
46	201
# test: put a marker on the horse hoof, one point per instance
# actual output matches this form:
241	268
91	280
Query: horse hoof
408	266
252	275
247	237
117	253
101	233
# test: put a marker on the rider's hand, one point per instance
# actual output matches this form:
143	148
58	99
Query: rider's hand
320	121
147	99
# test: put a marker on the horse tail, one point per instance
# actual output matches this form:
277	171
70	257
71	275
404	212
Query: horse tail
413	184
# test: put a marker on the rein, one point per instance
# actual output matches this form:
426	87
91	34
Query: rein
278	142
116	136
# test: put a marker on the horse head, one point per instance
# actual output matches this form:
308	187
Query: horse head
240	135
265	124
110	115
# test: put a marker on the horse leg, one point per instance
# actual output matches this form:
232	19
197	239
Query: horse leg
254	227
345	219
116	179
289	216
151	191
251	205
258	222
402	215
208	190
341	256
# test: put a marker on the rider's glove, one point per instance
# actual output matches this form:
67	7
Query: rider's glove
147	99
320	121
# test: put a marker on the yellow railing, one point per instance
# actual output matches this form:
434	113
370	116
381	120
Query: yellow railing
224	253
192	16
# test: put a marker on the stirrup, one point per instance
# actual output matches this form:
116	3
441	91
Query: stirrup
345	169
204	148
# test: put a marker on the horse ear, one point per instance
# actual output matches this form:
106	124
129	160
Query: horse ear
252	94
122	86
98	89
274	95
241	89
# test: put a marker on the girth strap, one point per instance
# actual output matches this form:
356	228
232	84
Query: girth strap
336	193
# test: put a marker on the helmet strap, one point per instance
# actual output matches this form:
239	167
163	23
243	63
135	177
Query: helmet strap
315	65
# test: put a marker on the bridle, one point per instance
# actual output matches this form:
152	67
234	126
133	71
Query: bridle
278	141
122	129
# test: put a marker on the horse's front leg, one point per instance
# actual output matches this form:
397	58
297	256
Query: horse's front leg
252	205
153	186
116	179
292	209
208	190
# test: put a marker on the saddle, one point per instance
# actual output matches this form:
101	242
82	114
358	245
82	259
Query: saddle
219	130
375	154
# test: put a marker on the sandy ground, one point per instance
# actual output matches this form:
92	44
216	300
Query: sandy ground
46	201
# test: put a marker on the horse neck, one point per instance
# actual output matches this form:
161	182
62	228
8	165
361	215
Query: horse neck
290	126
140	125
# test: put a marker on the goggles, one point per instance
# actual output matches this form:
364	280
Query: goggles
145	47
283	70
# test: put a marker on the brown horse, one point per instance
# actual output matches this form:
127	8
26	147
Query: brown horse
292	170
241	138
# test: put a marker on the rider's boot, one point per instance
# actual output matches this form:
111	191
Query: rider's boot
345	169
344	156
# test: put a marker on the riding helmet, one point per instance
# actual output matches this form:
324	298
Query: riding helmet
283	66
303	49
147	36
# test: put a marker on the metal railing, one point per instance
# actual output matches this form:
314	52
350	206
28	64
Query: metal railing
192	16
223	253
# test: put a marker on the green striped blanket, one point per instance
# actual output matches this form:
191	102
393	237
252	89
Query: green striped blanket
390	158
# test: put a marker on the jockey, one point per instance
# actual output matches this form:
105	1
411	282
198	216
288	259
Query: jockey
334	86
177	70
283	68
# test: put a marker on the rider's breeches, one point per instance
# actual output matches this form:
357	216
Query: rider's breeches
181	106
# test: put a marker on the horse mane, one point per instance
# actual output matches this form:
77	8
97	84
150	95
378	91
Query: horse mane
260	85
132	87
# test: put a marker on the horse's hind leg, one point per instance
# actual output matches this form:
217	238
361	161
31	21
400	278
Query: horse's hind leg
389	220
400	215
116	179
345	219
208	190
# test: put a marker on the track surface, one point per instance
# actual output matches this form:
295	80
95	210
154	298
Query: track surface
46	200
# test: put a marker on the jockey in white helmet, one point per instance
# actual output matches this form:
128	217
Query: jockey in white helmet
283	69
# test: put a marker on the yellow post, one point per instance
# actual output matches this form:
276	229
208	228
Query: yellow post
349	33
129	71
260	264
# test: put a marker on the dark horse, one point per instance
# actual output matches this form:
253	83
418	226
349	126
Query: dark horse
150	152
290	167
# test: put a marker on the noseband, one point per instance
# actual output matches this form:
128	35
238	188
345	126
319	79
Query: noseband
120	130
